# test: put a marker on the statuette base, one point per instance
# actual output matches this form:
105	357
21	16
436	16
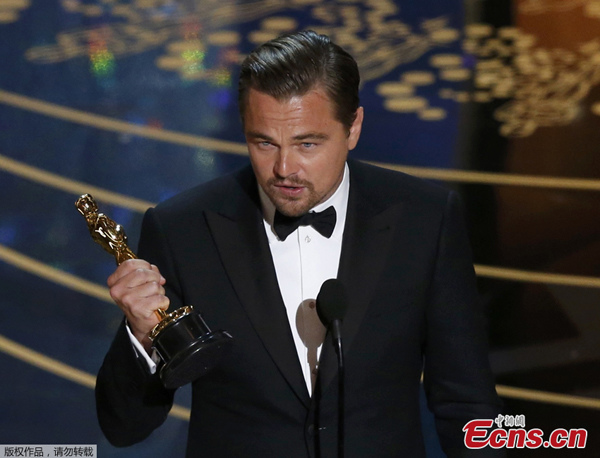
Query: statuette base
189	349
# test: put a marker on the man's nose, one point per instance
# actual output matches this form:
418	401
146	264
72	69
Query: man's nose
286	164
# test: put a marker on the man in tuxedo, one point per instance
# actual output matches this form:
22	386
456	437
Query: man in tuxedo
231	247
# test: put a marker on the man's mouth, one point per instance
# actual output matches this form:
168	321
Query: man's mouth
291	190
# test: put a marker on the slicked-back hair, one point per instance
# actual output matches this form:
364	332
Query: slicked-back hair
294	64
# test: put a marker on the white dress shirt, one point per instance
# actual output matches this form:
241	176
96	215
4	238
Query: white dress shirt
304	260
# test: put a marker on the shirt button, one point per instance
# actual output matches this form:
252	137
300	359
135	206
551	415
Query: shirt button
312	304
307	239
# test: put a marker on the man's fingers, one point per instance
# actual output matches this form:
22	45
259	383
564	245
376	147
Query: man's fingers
137	291
155	269
126	268
143	308
148	289
135	278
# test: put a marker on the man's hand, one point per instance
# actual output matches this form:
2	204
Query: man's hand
137	288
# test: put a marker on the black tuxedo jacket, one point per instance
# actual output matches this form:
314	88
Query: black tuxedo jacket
407	267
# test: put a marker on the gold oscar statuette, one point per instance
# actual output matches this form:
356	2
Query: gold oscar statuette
182	339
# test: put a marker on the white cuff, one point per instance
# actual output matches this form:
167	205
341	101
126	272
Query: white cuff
152	361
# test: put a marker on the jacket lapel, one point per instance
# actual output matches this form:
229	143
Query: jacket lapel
239	234
367	237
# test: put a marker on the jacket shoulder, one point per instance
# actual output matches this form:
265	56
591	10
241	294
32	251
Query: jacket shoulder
211	195
389	187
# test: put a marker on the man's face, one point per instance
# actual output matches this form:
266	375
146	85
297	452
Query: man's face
297	148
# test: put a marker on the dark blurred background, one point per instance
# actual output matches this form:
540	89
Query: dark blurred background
134	101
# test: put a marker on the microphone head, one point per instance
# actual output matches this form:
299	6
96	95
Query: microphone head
332	301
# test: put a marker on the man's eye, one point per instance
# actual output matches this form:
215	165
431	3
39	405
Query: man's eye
307	145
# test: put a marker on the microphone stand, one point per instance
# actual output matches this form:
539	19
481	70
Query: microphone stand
337	335
332	303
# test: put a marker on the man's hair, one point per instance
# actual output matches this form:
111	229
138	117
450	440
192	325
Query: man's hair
293	64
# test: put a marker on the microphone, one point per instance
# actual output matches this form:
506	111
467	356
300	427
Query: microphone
332	303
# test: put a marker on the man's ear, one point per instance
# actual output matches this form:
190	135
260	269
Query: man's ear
355	129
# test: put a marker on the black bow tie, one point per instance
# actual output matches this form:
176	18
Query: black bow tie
323	222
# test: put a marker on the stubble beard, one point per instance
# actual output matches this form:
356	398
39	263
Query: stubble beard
292	206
